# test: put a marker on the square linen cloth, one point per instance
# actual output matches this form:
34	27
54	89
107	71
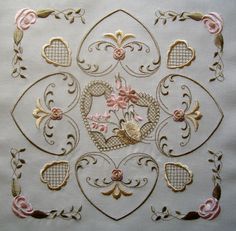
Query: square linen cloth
117	115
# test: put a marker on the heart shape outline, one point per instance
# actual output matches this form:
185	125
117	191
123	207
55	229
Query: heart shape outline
180	166
50	44
47	166
188	49
144	160
100	88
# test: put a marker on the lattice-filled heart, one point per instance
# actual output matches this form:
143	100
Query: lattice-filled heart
55	174
178	176
180	55
119	117
57	52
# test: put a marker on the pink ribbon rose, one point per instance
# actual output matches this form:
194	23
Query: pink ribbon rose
24	18
56	113
213	22
119	54
178	115
21	207
117	175
210	209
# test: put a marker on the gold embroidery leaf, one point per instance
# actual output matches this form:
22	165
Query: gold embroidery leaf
18	36
44	13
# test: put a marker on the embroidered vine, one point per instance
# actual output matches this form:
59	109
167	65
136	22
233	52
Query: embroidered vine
24	19
20	205
210	209
213	22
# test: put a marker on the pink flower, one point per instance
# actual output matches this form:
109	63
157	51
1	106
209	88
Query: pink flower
210	209
117	175
21	207
119	53
24	18
96	116
56	113
106	116
213	22
103	128
178	115
116	102
129	94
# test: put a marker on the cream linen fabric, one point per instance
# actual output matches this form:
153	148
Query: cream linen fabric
222	140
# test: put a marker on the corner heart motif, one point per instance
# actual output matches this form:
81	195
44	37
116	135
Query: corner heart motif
57	52
177	176
119	117
116	190
55	174
180	55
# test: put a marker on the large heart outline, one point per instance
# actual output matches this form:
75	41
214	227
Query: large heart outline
103	89
140	71
193	116
141	160
63	83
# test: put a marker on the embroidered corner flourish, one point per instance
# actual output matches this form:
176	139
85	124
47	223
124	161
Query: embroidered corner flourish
21	206
214	24
24	19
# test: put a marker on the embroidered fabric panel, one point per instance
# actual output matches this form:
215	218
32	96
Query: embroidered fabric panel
117	116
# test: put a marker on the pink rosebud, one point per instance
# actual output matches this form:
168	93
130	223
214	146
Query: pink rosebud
178	115
213	22
21	207
138	118
119	53
56	113
103	128
24	18
117	175
210	209
118	83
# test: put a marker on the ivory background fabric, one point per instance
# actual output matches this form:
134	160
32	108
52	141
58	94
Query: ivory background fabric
222	140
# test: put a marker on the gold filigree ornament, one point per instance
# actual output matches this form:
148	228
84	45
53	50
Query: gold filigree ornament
119	47
52	129
55	174
177	176
180	55
117	123
57	52
106	184
192	115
